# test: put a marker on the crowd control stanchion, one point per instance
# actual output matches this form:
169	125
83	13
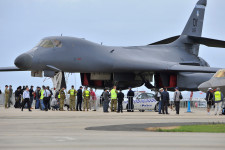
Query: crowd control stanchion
189	106
189	103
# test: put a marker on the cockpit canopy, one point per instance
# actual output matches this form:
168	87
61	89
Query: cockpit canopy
50	43
220	74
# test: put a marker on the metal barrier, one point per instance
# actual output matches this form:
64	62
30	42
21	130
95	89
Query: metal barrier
2	99
194	103
128	105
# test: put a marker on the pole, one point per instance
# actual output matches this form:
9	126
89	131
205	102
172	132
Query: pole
189	102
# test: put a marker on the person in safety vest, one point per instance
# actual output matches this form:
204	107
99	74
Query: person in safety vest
86	95
73	94
218	99
113	99
42	106
62	96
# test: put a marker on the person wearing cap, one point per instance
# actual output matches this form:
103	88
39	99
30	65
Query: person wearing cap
79	99
218	99
209	99
73	94
62	98
177	97
120	96
130	96
6	97
86	95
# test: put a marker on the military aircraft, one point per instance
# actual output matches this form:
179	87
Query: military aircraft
171	62
217	81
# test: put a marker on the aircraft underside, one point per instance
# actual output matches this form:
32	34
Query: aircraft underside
184	80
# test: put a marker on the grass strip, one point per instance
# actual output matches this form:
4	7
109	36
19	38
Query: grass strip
210	128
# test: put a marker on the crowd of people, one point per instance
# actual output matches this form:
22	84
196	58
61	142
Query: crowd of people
215	99
117	98
81	100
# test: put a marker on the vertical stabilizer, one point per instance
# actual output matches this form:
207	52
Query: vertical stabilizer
195	23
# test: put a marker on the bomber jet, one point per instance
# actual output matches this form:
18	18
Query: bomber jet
170	63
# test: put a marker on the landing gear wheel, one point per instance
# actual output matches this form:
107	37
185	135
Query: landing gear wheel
141	110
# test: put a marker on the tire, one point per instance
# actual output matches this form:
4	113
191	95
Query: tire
141	110
157	107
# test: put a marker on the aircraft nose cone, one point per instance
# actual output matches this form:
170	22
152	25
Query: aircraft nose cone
204	86
23	61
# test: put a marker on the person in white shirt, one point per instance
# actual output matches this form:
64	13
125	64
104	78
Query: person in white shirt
26	99
46	98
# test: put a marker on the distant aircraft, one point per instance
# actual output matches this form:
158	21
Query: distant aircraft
217	81
171	62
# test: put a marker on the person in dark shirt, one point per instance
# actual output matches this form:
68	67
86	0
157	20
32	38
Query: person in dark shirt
101	99
79	98
38	96
57	95
130	96
17	98
31	91
165	101
120	97
209	99
106	96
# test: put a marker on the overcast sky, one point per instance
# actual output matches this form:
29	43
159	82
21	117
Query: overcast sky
23	23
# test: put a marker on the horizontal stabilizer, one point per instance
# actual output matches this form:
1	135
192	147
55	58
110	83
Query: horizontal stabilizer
208	42
166	41
10	69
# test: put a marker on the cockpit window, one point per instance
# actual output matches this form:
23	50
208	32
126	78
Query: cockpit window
39	43
220	74
46	44
50	43
57	43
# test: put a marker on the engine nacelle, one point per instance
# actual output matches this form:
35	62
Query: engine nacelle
102	80
184	80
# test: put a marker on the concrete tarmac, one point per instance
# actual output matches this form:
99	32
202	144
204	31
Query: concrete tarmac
54	130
